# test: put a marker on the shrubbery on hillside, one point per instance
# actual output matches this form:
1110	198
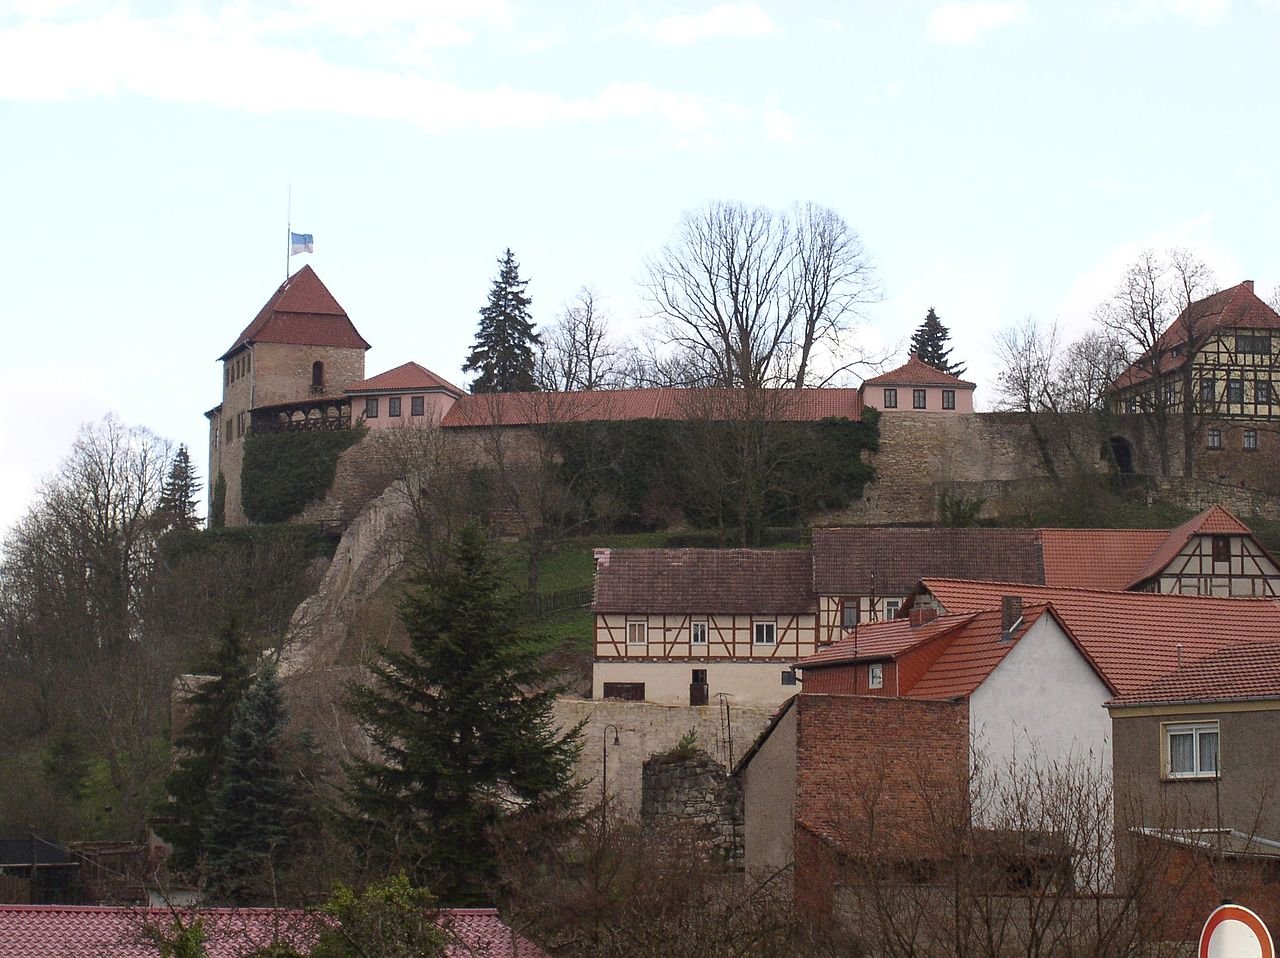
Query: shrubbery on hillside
284	471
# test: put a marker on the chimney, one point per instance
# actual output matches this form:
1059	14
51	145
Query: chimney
1248	284
601	557
1010	614
919	617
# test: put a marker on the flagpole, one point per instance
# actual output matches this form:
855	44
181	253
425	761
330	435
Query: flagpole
288	234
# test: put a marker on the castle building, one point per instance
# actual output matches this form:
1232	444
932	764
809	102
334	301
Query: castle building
917	387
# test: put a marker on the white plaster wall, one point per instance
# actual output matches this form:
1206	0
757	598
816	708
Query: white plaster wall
1042	703
755	684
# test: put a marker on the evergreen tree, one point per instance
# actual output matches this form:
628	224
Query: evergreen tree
503	352
463	740
202	747
176	508
929	343
251	816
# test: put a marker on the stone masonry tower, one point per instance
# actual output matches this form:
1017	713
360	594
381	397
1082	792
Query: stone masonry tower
289	368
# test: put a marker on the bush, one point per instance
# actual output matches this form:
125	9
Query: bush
285	471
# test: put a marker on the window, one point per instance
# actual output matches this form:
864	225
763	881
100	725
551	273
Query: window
1235	390
1208	390
1253	345
788	676
1264	392
1131	405
1170	393
1251	440
1191	750
393	406
700	676
918	399
1215	439
875	676
637	633
371	408
317	377
627	691
766	633
891	399
239	424
891	607
948	399
849	613
1221	548
698	633
417	406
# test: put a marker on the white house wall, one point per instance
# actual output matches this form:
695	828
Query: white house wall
754	684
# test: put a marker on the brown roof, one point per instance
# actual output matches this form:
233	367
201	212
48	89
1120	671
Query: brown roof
410	376
1235	308
704	581
616	405
303	312
1097	558
1213	521
890	561
914	372
1237	672
1133	638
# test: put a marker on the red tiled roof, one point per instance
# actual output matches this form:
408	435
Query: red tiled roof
1235	308
63	931
614	405
972	654
1096	558
408	376
302	311
705	581
890	561
1133	638
916	373
1213	521
883	640
1237	672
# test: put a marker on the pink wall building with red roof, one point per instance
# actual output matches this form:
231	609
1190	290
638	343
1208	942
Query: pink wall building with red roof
917	387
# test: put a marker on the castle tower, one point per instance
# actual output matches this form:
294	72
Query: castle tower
289	367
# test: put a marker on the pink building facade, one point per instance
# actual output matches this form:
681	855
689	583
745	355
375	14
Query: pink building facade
917	387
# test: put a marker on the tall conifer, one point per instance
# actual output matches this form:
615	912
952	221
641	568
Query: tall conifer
929	343
503	353
176	507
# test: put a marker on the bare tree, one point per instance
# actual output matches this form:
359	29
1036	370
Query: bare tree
1087	368
578	352
749	296
1028	356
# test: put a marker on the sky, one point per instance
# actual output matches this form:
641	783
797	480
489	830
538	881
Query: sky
999	160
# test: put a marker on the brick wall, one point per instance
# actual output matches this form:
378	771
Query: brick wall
876	778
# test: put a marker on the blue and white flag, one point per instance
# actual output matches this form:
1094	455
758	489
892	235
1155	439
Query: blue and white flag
301	243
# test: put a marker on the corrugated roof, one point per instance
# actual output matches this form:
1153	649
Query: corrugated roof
613	405
301	311
1132	637
1096	558
1250	671
705	581
890	561
408	376
914	372
1213	521
1237	307
63	931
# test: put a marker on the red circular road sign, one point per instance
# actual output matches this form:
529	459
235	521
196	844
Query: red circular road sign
1233	931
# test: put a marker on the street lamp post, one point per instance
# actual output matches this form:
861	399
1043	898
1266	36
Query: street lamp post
604	770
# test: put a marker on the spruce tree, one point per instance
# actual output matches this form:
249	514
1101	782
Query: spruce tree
252	813
201	747
462	728
929	343
176	508
503	353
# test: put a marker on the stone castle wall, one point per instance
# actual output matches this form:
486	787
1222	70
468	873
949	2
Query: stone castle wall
694	791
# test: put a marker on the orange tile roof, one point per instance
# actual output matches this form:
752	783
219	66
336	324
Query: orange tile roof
972	654
1096	558
1238	672
1132	637
883	640
615	405
406	377
914	372
703	581
1235	308
303	312
1213	521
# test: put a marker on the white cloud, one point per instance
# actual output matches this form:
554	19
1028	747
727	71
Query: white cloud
1197	11
722	20
191	57
959	24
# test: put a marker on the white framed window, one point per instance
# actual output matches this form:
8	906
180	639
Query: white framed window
891	607
638	633
1215	439
875	676
698	632
1191	750
766	633
1251	439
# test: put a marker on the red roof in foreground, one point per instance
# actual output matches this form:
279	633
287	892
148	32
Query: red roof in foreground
881	640
1213	521
62	931
1240	672
1132	638
615	405
302	312
408	376
914	372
